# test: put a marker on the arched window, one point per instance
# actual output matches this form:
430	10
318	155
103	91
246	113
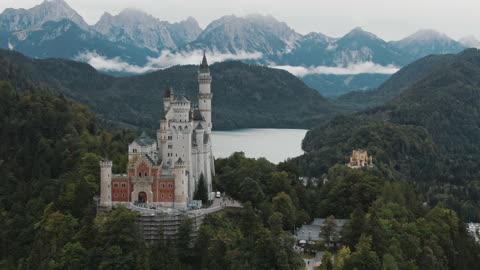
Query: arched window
145	174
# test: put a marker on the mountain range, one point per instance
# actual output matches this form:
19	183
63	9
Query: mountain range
54	29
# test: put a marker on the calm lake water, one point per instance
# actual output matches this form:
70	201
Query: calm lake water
274	144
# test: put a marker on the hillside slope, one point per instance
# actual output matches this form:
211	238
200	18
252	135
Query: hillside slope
245	96
397	83
429	132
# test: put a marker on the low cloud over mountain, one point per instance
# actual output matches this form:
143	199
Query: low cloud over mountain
350	69
164	60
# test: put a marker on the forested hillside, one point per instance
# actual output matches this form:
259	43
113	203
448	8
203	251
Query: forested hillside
389	227
397	83
244	96
49	156
429	133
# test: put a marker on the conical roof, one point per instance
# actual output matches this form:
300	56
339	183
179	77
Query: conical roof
204	65
197	115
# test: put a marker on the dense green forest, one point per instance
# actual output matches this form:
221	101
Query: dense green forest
389	226
49	157
424	143
244	96
429	134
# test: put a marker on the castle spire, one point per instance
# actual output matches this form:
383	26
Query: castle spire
204	65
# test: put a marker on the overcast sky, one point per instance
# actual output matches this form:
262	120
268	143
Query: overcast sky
386	18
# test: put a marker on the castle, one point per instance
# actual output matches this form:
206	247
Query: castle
360	159
165	172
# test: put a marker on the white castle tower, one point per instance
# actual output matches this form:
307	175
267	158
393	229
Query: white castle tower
181	187
205	94
105	183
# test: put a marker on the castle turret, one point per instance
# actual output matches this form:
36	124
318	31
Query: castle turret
162	137
167	98
181	181
106	183
181	109
205	95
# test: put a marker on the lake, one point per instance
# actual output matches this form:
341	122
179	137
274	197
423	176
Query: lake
276	145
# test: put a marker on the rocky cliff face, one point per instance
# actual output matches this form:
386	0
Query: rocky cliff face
51	10
143	30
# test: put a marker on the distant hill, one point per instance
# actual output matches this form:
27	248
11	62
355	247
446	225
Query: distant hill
335	86
244	96
429	132
397	83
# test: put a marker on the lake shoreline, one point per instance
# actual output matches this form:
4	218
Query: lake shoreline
276	145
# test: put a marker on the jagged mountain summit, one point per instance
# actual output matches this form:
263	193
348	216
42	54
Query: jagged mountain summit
362	46
140	29
253	33
49	10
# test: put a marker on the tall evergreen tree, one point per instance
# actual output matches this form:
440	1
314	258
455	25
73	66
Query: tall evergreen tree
201	192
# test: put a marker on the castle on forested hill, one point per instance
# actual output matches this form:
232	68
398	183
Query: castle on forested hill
360	159
166	172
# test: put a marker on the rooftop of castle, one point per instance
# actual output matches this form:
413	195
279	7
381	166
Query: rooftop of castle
181	98
144	139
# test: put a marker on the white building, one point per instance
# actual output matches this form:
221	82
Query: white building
166	172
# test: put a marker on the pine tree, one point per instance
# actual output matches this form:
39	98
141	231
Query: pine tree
201	192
